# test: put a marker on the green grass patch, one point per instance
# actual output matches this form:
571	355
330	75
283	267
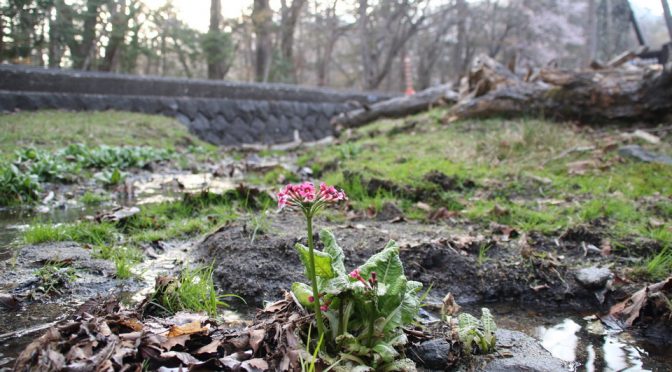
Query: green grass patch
53	276
90	198
124	258
82	232
519	165
50	129
193	290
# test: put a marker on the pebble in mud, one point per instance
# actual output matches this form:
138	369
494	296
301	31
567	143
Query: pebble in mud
432	354
593	277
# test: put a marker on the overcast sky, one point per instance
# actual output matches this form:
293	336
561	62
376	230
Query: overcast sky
196	12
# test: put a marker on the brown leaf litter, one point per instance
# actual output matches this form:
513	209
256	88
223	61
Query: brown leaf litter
123	341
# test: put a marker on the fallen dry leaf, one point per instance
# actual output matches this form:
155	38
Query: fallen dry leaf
171	342
581	167
423	206
449	306
626	312
539	287
605	247
186	329
256	337
131	323
185	358
254	365
210	348
442	214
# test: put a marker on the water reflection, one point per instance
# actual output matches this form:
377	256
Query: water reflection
568	341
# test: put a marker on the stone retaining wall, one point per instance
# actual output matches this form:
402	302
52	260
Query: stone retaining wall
219	112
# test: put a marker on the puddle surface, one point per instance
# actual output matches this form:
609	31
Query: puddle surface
567	337
165	187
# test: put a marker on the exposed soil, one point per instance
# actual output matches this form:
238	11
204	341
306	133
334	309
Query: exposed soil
442	256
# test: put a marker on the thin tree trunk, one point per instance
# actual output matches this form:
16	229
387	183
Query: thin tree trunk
459	50
290	16
182	58
363	39
214	66
119	20
83	54
668	16
591	33
261	18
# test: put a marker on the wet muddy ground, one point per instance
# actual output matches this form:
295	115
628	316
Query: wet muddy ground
543	285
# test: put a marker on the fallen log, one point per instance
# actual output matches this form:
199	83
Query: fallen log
628	93
396	107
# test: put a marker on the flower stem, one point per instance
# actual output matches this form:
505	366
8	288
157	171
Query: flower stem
313	276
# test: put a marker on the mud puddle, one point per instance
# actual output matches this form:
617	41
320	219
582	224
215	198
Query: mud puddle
167	187
582	341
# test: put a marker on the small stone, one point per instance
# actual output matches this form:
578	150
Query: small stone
638	153
593	277
432	354
389	212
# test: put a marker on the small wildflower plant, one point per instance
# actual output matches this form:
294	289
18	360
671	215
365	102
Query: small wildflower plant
365	308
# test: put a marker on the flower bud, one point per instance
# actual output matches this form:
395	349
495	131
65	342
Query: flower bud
311	299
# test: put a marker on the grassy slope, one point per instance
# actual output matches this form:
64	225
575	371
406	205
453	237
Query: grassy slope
56	129
506	159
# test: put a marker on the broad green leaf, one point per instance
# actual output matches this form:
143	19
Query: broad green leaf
489	329
399	340
467	324
322	261
334	286
386	352
352	345
302	291
488	321
411	303
386	264
333	250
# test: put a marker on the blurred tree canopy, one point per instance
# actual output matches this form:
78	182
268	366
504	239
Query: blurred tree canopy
341	43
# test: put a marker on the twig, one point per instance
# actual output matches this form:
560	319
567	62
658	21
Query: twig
569	151
27	331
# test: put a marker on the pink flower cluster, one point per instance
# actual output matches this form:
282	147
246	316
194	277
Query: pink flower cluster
296	195
357	275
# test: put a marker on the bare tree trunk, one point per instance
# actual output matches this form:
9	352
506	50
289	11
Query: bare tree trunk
591	33
261	18
609	32
182	58
364	40
668	17
627	95
214	67
459	50
119	19
164	50
2	37
83	54
290	16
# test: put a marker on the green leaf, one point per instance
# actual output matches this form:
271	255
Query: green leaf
333	250
352	345
386	264
411	303
386	352
322	261
334	286
302	291
488	321
467	324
